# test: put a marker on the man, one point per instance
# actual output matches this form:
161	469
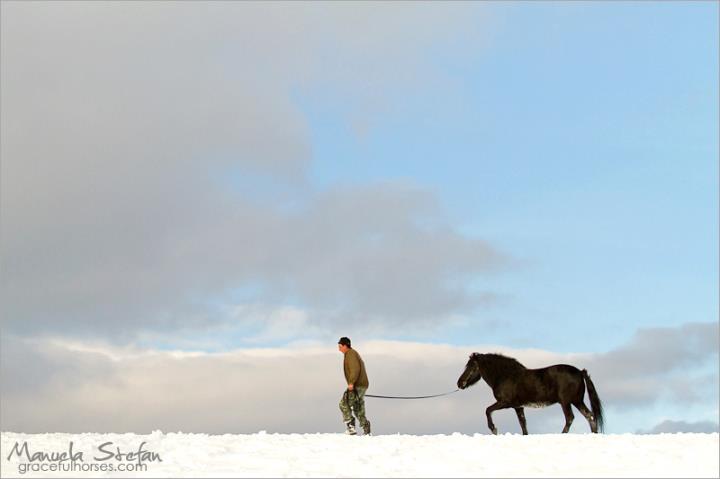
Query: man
357	383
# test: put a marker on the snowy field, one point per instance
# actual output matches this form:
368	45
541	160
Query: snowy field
337	455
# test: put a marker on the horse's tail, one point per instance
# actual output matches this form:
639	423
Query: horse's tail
595	403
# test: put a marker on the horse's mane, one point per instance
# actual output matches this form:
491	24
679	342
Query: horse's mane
496	366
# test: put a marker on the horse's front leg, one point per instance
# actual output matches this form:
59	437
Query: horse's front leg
488	413
521	417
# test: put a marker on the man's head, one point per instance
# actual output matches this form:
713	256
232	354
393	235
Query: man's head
344	344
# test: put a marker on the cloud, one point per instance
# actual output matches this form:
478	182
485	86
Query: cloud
294	389
156	161
659	350
668	426
100	387
359	255
677	362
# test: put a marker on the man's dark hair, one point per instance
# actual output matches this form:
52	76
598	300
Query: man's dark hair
345	341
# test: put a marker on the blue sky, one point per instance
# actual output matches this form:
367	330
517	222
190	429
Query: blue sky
582	138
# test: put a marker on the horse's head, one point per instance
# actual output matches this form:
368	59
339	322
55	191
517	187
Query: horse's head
471	375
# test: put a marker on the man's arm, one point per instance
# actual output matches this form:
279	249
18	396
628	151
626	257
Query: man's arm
353	370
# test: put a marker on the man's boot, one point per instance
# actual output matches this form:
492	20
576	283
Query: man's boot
350	428
366	428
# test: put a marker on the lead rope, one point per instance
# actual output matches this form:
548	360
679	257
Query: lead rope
411	397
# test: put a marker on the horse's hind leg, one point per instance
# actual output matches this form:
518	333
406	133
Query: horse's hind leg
521	417
588	414
569	416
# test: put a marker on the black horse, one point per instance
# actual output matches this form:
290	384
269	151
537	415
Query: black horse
516	386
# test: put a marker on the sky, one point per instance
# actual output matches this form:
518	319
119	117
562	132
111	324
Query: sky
197	195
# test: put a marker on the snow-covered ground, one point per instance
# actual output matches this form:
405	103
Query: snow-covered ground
337	455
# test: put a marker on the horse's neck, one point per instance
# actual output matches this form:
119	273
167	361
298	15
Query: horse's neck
492	380
494	377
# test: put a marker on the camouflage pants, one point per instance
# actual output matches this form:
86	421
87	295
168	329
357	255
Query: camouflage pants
354	402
